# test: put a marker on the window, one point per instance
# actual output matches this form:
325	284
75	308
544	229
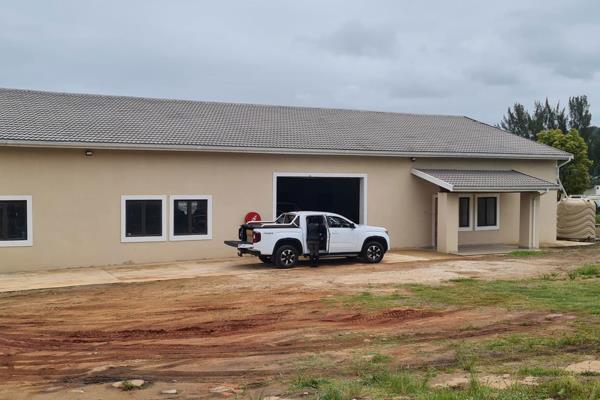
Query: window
15	221
191	217
286	218
487	212
464	213
337	222
143	218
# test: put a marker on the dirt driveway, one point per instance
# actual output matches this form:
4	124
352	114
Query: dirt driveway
243	326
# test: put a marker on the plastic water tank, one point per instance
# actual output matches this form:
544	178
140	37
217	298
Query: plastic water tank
576	219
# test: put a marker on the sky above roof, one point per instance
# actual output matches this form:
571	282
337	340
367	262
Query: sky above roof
469	58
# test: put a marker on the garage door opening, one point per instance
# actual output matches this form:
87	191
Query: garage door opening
341	195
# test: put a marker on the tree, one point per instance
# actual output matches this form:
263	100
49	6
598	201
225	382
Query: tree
545	117
579	114
517	121
593	140
574	176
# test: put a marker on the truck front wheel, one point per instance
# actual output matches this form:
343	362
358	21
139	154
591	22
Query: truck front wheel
373	252
286	256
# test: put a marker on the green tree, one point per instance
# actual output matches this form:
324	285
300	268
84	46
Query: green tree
580	117
546	117
517	121
574	176
593	140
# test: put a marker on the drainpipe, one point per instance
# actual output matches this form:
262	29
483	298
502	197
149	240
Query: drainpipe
558	167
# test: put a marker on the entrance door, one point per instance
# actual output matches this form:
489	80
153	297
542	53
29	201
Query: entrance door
338	195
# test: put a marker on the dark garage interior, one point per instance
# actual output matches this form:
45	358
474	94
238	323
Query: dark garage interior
337	195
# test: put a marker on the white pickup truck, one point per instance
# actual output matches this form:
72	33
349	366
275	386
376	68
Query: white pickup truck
283	241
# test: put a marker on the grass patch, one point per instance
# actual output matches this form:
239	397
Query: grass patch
403	384
128	386
517	346
542	293
541	371
526	253
587	271
598	219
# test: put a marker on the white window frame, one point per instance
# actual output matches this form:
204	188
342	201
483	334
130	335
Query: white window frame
29	241
487	228
172	200
471	216
139	239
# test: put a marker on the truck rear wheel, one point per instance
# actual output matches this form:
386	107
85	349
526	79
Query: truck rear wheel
286	256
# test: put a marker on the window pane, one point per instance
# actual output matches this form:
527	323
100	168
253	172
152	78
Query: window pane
481	211
13	220
199	217
180	219
133	217
491	211
153	217
463	212
143	218
336	222
486	211
191	217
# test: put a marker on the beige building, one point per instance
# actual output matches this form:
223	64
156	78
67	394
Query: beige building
90	180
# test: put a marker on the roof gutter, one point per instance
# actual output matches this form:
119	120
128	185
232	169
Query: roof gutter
267	150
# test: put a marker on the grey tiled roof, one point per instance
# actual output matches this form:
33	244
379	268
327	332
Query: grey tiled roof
481	180
49	118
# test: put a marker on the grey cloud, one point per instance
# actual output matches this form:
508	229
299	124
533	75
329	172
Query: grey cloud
354	38
567	61
494	76
561	38
417	90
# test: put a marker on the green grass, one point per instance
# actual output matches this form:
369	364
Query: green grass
565	295
536	353
598	218
578	292
526	253
391	383
541	371
587	271
585	336
128	386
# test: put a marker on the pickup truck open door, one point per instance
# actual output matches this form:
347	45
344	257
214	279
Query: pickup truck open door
319	219
342	238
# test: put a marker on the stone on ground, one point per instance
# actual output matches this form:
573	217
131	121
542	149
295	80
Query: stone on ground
169	391
137	383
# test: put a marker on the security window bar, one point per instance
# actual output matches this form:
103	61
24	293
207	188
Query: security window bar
190	217
143	218
13	220
463	212
487	211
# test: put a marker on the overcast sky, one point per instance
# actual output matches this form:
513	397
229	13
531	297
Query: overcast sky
471	58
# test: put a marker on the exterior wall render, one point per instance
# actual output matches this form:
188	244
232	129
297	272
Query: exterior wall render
77	199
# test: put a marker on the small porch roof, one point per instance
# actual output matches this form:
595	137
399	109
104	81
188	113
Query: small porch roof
484	180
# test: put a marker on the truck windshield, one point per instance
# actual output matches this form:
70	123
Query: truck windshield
285	218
